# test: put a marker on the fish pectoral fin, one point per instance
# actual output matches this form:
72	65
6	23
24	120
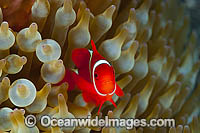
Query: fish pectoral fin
119	92
100	107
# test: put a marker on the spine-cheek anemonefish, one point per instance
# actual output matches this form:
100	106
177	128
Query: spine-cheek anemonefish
95	77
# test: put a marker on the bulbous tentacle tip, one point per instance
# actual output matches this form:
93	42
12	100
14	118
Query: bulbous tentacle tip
110	114
4	26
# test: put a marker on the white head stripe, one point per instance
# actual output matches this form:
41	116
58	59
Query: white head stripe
99	63
95	65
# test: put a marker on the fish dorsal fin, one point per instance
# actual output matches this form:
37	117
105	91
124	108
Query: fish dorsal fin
93	47
80	57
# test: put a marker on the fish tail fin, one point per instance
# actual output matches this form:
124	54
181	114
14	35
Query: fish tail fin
67	78
111	100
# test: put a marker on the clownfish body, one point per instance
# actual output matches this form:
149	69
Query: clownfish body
95	77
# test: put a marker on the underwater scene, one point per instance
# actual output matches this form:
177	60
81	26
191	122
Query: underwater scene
99	66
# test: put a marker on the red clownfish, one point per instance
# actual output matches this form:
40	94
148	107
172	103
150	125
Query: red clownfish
95	77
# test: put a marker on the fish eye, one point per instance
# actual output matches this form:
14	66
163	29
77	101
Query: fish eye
96	75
